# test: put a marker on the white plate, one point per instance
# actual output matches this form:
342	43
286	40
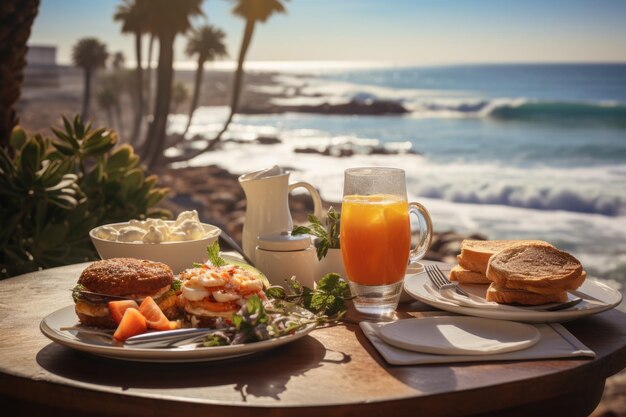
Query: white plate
600	298
97	345
456	335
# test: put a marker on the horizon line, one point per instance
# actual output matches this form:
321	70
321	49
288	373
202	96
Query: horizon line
298	65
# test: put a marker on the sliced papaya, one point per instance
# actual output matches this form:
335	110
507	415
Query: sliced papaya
132	324
117	308
155	319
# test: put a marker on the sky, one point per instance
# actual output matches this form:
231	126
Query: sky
393	31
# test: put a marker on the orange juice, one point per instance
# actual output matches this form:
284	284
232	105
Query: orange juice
375	238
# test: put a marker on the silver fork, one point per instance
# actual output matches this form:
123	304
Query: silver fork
439	279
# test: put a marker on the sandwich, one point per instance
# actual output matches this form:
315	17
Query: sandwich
212	294
119	279
532	274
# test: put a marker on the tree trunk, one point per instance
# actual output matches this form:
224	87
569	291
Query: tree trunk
86	94
134	137
236	92
16	19
155	141
148	86
120	122
110	116
196	90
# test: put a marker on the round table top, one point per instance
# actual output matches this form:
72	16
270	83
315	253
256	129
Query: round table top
334	370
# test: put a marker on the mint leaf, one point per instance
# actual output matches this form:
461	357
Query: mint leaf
300	230
330	294
332	283
214	254
327	236
314	220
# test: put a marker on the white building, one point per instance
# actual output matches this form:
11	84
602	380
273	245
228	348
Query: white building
41	55
41	66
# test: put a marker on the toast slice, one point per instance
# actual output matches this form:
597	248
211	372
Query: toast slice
464	276
535	265
475	254
504	295
548	290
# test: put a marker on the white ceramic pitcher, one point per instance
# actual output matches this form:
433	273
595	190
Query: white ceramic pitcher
267	208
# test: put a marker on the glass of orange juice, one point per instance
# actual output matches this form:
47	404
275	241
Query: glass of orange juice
376	236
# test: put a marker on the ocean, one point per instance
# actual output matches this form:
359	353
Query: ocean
508	151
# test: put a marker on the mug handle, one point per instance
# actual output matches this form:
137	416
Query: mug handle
426	231
317	201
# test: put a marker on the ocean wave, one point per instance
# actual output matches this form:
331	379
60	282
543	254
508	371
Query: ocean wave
532	198
612	114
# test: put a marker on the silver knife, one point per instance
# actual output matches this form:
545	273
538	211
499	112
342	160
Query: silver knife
168	338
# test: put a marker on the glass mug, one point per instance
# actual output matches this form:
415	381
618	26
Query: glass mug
376	236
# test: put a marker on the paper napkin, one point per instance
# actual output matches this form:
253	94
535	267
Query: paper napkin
555	342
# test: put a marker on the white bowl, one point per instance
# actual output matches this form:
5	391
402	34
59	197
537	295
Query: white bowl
178	255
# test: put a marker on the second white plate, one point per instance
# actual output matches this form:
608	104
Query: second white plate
597	297
454	335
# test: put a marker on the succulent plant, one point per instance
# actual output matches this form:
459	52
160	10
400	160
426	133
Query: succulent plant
54	190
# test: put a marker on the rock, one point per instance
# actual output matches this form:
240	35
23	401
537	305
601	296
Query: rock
267	140
354	107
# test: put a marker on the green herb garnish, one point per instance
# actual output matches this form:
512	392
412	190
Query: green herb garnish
214	254
217	339
176	285
327	301
76	295
327	236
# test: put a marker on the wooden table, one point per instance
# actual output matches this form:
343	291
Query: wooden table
333	371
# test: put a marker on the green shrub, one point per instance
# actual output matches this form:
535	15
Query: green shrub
54	190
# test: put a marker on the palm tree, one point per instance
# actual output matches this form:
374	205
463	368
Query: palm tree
16	19
252	11
89	54
208	43
132	14
180	94
166	18
148	83
118	61
113	84
107	100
